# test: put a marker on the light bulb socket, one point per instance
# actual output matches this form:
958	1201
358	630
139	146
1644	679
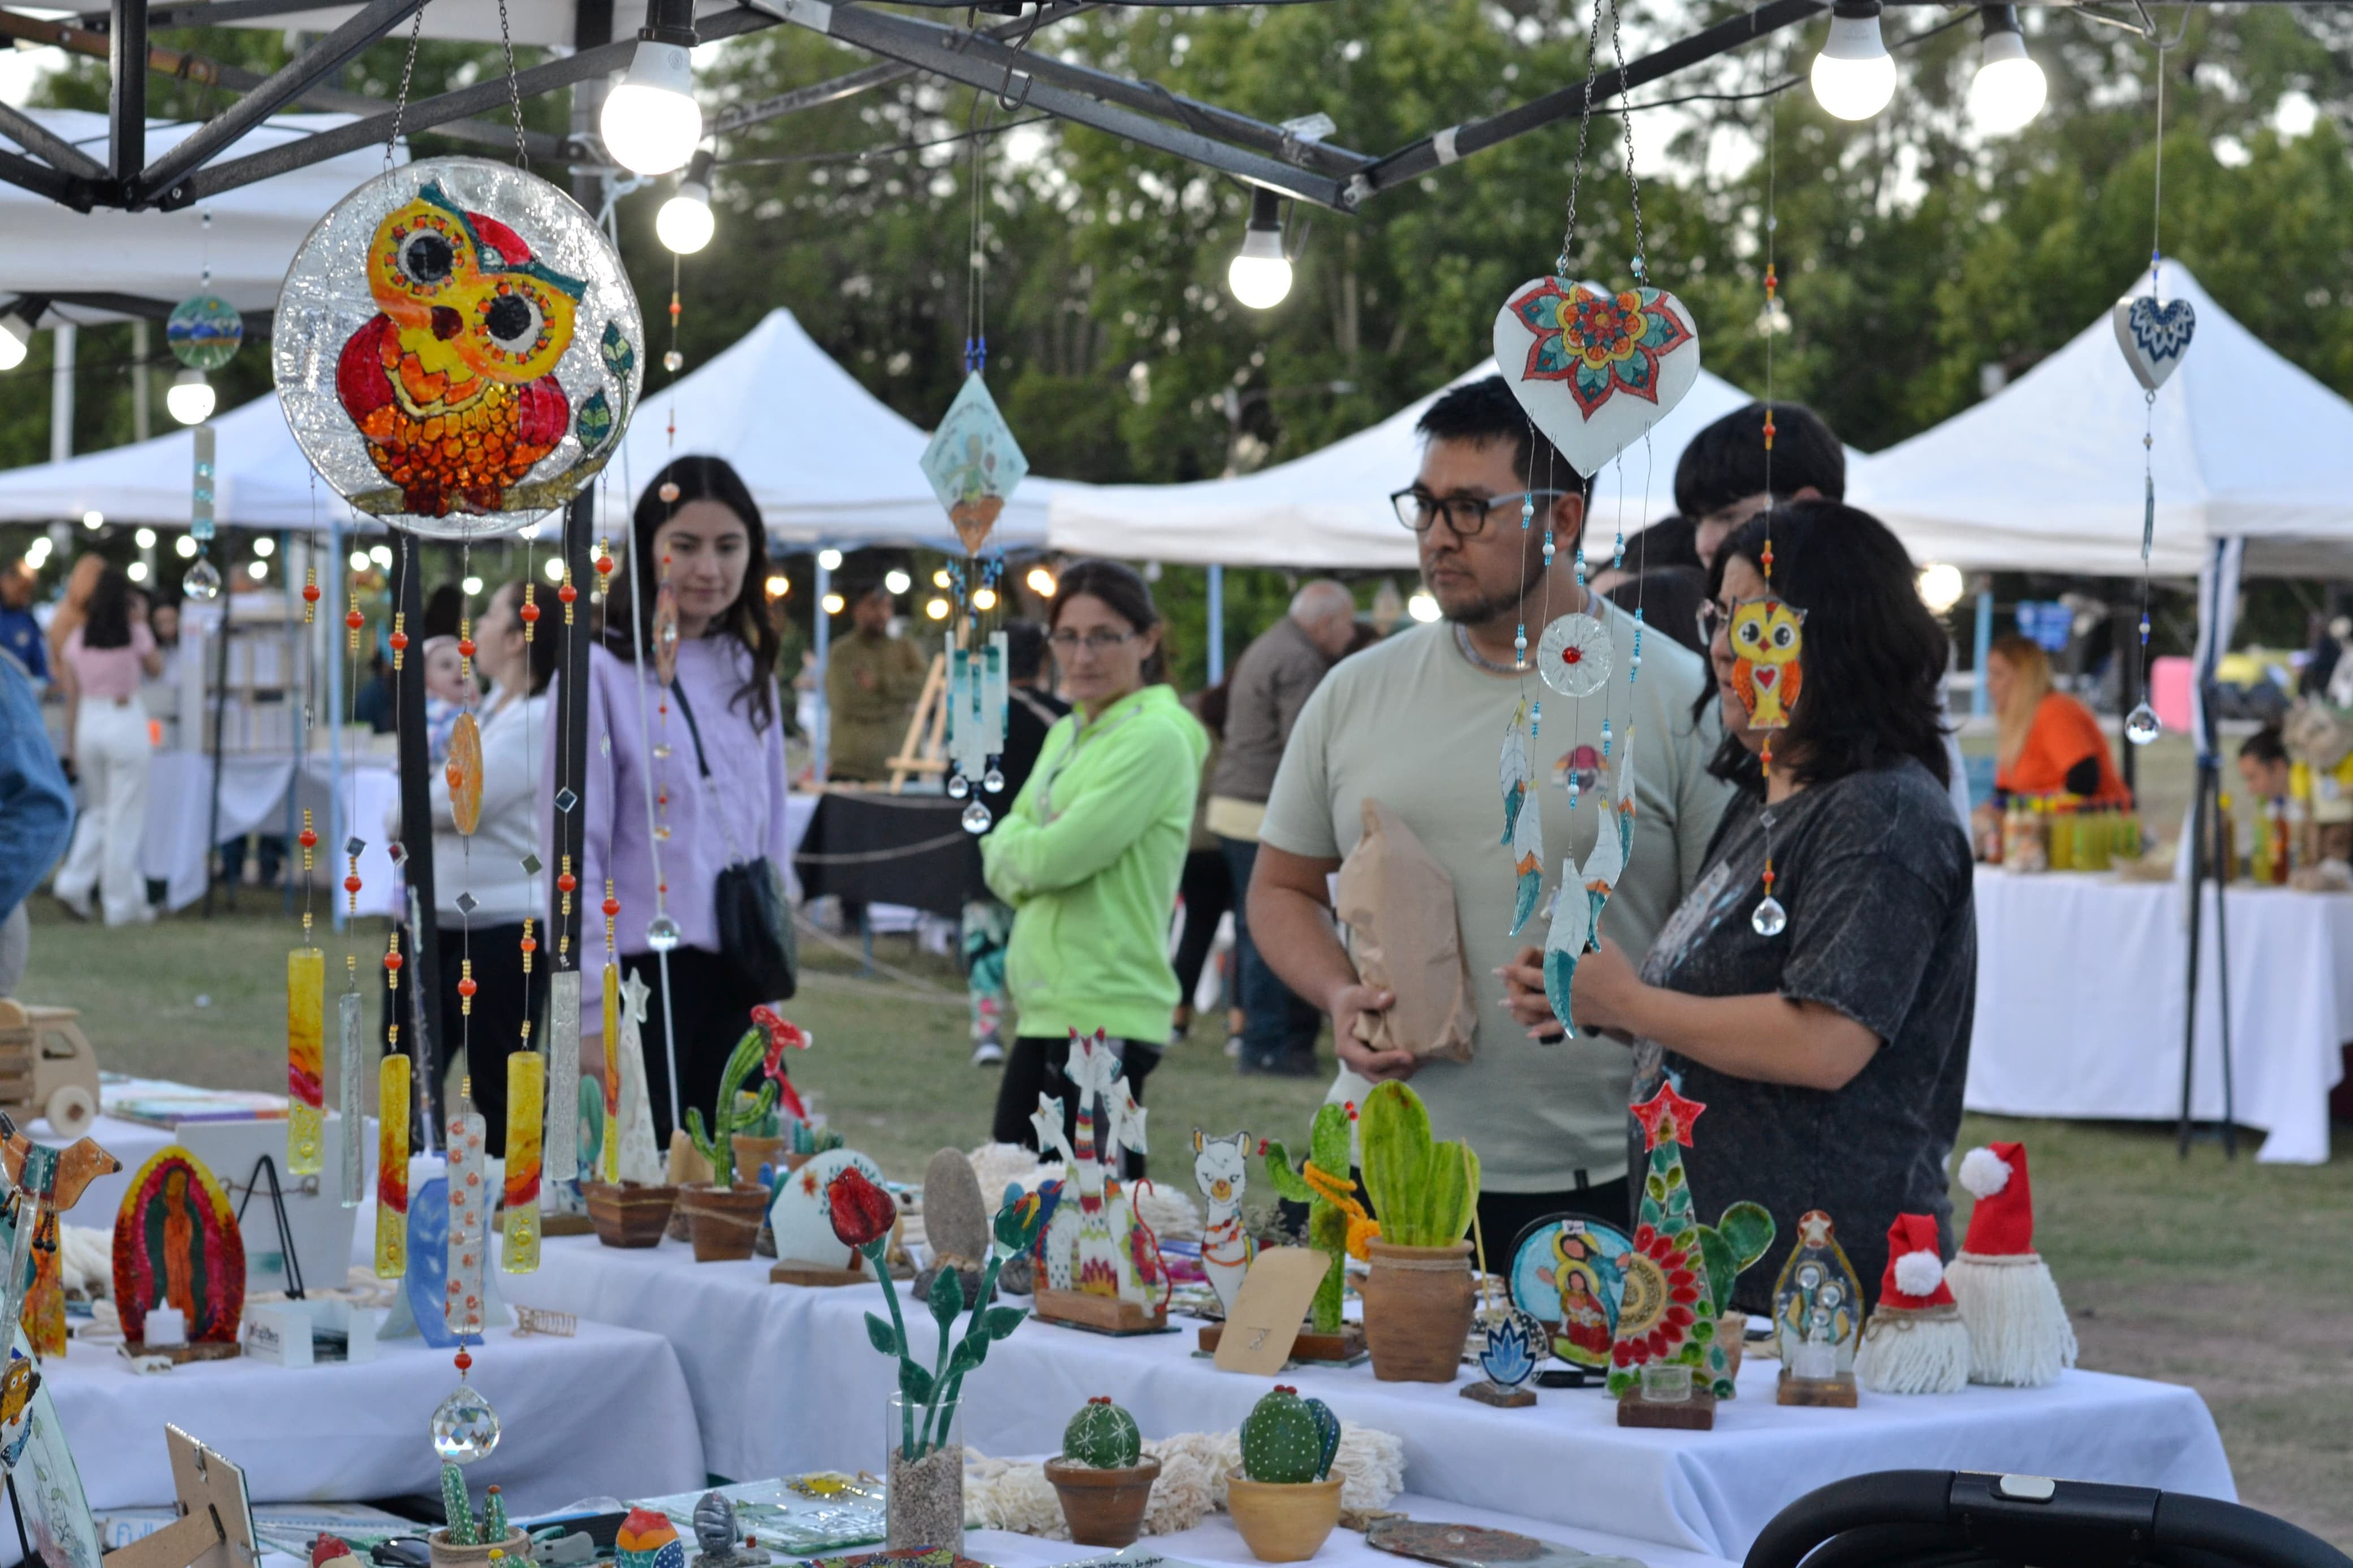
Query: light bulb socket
1997	20
669	22
697	172
1266	216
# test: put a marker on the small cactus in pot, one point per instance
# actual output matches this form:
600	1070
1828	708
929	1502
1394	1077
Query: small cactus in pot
1103	1477
1285	1498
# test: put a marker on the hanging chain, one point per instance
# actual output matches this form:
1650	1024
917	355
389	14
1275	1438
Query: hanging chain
407	69
1584	123
515	86
1626	118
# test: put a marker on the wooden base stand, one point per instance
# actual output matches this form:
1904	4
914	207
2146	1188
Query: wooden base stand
1696	1414
1837	1393
816	1274
1343	1349
181	1356
565	1224
1496	1394
1109	1314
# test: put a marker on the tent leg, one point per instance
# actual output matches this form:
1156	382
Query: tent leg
417	835
1981	701
820	732
2129	675
2197	829
1216	618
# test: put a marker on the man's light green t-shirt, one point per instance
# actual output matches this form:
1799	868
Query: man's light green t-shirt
1413	724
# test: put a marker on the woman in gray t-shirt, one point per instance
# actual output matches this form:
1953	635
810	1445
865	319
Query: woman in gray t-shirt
1829	1042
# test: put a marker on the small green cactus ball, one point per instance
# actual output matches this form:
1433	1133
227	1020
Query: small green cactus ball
1287	1440
1102	1436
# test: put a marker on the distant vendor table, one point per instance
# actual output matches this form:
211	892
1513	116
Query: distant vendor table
2081	989
605	1413
761	1358
872	848
180	830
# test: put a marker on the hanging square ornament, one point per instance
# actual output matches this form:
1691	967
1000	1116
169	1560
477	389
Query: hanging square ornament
974	463
458	347
1768	637
1593	367
2153	337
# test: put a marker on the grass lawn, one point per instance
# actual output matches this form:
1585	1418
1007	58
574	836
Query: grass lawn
2231	1276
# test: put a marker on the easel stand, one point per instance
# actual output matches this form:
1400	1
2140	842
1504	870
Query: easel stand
924	750
215	1529
2207	817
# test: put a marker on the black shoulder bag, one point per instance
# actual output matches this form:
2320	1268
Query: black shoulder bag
754	917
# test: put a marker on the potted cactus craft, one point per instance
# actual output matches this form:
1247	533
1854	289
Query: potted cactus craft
724	1213
467	1539
1103	1477
1337	1227
1285	1497
1420	1296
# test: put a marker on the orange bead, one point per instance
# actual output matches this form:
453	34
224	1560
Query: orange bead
568	593
308	838
310	593
467	987
393	960
465	648
612	906
399	640
567	882
530	612
352	884
354	620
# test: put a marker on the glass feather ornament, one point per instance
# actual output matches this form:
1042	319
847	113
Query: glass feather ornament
306	1060
526	1113
392	1168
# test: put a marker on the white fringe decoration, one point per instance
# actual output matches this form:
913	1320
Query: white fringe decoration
1920	1273
2018	1332
1984	1173
85	1260
1914	1350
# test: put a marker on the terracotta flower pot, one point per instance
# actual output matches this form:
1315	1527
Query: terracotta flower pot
627	1215
517	1547
1418	1303
751	1154
1103	1508
1283	1524
725	1221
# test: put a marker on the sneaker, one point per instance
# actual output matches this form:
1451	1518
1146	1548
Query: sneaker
988	1054
80	908
1234	1046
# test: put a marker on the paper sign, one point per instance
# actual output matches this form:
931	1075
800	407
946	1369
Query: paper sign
1269	1308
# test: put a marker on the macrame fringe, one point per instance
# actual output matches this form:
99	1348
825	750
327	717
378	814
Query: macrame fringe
2018	1332
1911	1351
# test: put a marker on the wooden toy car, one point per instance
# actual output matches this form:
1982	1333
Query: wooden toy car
46	1067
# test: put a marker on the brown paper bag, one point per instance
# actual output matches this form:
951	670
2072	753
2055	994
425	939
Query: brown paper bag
1398	903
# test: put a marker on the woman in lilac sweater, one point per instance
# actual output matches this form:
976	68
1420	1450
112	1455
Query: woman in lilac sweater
652	816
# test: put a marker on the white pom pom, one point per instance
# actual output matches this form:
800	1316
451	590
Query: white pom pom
1920	1273
1984	1173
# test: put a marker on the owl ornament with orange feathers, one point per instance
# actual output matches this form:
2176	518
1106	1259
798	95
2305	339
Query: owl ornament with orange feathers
1767	636
458	347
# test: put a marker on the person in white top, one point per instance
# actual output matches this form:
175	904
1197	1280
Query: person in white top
488	863
107	746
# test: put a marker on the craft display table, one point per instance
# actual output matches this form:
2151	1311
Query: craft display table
606	1412
872	848
2081	982
760	1358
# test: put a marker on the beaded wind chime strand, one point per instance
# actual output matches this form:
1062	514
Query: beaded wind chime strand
1769	916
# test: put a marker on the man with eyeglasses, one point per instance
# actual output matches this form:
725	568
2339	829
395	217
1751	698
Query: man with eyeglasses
1418	723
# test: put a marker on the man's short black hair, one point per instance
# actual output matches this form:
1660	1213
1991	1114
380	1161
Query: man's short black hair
1025	650
1727	461
2264	746
1485	412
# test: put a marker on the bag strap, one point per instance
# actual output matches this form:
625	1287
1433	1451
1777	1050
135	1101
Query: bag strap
686	712
735	856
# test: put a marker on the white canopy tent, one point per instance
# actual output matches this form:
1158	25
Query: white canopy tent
1331	507
2046	475
261	479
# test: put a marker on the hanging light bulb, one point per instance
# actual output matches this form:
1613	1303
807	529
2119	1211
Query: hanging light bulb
16	332
1259	274
2009	88
1853	76
190	397
685	224
829	560
1042	582
650	122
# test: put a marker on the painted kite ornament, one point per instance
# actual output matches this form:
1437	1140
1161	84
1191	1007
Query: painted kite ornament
2153	337
1523	819
1595	367
458	347
1768	637
974	463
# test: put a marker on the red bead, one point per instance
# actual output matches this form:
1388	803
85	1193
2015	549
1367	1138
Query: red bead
393	960
465	648
354	620
467	987
399	640
530	612
352	883
465	1361
568	593
310	593
308	838
612	906
530	944
567	882
604	566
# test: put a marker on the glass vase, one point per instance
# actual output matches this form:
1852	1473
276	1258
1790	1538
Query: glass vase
924	1450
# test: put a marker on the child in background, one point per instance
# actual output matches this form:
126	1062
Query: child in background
447	694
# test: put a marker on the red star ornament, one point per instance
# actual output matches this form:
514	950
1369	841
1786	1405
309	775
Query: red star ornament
1667	1114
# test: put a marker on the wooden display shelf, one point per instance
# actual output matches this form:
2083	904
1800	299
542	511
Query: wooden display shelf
1111	1314
1696	1414
1343	1349
1834	1393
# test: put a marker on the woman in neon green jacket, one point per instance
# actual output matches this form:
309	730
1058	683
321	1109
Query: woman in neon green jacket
1089	855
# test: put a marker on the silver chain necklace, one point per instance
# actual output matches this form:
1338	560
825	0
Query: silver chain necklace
1462	644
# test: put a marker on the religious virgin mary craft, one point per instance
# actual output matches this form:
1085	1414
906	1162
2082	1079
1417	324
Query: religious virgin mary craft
458	347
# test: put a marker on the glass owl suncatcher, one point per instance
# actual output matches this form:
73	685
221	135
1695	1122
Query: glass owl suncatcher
1768	637
974	463
458	349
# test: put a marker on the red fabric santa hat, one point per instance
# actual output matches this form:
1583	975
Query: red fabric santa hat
1915	1279
2002	1224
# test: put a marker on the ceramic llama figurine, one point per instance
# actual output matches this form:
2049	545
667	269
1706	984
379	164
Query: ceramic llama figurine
1222	1170
1095	1243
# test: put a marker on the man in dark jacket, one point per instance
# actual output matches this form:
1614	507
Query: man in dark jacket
1270	685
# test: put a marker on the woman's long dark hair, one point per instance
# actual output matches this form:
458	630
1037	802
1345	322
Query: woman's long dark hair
745	620
1130	598
545	649
107	622
1873	657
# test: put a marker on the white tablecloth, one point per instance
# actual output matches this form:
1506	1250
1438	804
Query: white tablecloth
2080	991
761	1358
174	841
607	1412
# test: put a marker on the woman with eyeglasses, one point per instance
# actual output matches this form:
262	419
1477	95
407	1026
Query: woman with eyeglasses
1090	853
1828	1040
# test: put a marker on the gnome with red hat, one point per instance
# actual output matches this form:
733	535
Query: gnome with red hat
2018	1333
1916	1342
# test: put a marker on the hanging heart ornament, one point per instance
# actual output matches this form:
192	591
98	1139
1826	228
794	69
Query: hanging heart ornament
2153	337
1593	367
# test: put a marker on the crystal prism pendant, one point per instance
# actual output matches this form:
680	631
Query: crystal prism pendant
662	934
465	1428
2141	726
202	581
976	818
1769	917
959	787
993	782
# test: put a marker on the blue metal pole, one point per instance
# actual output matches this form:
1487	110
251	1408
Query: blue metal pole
823	623
1217	619
1979	700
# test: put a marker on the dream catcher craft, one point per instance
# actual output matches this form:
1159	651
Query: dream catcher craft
459	350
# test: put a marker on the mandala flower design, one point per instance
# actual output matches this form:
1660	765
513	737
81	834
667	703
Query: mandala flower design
1662	1297
1599	343
1573	655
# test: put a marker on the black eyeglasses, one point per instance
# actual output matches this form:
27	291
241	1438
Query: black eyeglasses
1096	641
1416	509
1712	618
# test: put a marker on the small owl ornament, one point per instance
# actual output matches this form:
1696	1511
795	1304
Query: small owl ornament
1768	637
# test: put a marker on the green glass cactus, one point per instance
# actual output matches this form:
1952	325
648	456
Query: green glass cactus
1423	1191
457	1511
1102	1436
732	1114
494	1518
1289	1441
1741	1235
1327	1223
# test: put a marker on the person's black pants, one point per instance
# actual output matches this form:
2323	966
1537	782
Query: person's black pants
1207	890
1279	1029
709	1005
501	1002
1038	1066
